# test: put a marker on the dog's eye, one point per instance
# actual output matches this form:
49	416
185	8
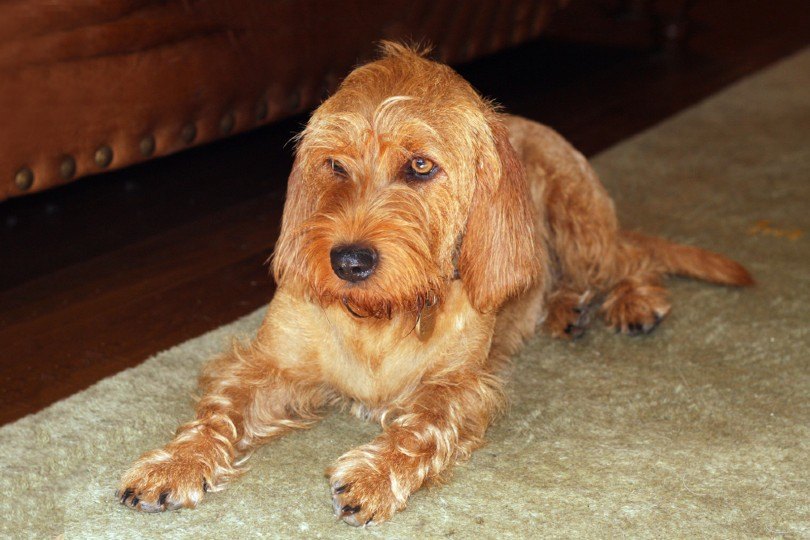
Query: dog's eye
420	168
336	168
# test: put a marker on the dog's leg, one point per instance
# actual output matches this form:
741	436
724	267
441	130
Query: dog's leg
594	259
246	399
580	229
443	422
635	300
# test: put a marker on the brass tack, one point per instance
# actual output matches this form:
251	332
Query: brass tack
24	178
67	168
103	156
147	146
226	123
188	133
261	110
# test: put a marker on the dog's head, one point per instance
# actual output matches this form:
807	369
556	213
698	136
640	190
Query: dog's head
404	180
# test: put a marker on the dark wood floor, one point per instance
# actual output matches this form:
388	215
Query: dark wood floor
98	275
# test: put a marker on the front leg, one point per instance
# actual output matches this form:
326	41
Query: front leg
441	423
247	399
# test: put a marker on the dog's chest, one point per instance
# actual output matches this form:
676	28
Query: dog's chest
374	361
368	360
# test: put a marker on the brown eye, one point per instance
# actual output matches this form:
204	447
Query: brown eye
336	168
421	168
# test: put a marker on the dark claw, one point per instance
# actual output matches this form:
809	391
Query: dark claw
206	487
369	519
656	321
349	510
135	501
342	489
650	327
575	331
163	497
125	495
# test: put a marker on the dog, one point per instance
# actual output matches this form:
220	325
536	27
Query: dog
425	236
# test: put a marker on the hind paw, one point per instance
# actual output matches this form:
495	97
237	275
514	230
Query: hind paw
635	308
568	314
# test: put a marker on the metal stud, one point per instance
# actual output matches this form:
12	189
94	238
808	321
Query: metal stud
188	133
147	146
226	123
24	178
261	110
67	168
103	156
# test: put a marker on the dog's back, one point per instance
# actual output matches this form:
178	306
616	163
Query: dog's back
592	258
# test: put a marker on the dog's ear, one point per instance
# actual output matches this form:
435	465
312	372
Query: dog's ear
499	256
297	208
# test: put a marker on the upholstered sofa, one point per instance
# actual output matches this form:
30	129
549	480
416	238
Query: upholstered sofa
88	86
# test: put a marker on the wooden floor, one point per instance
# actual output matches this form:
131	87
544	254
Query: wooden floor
98	275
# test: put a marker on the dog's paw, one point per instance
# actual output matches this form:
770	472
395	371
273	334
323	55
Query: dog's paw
568	314
160	481
365	491
636	309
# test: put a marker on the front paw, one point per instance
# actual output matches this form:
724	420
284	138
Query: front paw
161	481
365	488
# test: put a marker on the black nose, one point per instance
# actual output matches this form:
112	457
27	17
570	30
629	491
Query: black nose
353	263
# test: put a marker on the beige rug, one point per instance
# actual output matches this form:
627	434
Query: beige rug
700	430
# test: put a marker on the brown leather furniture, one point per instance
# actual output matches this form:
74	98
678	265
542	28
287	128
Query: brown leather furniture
89	86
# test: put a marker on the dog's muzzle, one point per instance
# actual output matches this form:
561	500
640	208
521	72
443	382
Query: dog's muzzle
353	263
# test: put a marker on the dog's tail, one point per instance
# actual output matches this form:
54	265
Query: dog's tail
691	261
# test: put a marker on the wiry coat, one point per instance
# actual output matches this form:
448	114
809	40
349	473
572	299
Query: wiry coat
513	230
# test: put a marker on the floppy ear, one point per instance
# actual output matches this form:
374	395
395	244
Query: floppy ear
499	254
297	208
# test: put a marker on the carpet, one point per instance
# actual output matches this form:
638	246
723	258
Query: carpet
700	430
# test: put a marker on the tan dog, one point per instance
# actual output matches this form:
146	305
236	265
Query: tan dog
424	237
